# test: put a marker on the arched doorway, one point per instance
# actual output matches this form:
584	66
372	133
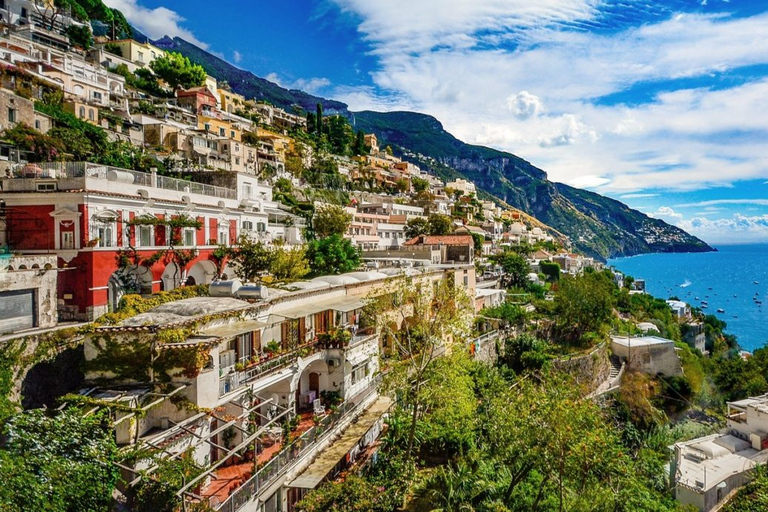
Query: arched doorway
172	277
202	272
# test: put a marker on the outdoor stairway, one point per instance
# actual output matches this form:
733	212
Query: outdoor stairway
615	368
612	382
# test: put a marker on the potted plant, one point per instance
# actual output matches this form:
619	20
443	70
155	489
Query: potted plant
272	348
239	367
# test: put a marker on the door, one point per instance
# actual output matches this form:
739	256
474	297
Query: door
314	383
17	311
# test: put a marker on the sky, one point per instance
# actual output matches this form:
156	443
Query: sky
660	104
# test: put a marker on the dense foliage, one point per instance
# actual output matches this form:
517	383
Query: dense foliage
61	462
333	254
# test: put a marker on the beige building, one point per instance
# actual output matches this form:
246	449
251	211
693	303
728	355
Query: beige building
140	54
27	292
14	110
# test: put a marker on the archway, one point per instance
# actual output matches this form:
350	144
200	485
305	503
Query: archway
172	277
201	272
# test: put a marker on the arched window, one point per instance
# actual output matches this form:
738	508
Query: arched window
82	112
90	114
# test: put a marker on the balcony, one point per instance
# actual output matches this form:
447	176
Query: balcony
236	380
275	460
104	173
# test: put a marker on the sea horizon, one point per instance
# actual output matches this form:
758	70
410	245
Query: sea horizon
734	278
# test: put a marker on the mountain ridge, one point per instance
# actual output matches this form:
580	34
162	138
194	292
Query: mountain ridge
596	224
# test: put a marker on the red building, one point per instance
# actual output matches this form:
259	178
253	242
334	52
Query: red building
81	212
196	98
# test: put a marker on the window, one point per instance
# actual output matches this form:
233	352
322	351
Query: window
11	115
261	227
359	372
104	233
244	348
237	160
67	240
82	112
23	12
46	187
90	114
141	56
145	236
232	134
96	95
189	237
224	236
222	132
247	225
37	124
207	127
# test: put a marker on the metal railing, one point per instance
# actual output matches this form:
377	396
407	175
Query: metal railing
60	170
294	452
233	381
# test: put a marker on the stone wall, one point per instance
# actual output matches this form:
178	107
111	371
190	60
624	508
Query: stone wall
33	272
589	370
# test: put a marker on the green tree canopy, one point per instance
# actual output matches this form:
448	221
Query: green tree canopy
177	70
330	219
515	268
61	462
249	258
440	224
415	227
333	254
583	304
551	270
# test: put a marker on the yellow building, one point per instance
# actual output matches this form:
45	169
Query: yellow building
140	54
220	127
230	101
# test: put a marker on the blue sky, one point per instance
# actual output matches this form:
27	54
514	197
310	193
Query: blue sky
661	104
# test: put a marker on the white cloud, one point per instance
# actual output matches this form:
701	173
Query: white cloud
444	59
637	196
237	57
310	85
155	23
524	105
715	202
667	214
736	229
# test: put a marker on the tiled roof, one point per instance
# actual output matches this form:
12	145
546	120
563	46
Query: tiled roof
444	239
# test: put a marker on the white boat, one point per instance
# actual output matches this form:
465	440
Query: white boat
720	310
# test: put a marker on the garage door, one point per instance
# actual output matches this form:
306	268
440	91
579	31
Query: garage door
17	310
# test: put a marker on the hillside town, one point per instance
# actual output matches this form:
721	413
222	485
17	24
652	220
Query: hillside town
251	305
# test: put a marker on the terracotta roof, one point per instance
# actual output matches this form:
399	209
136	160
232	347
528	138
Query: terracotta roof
444	240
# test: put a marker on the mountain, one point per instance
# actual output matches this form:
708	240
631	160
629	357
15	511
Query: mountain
597	225
246	83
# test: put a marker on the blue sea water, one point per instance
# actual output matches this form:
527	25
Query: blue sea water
732	279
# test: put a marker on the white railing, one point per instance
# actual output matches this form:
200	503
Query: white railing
61	170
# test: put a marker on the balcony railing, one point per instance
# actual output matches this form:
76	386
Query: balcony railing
235	380
60	170
294	452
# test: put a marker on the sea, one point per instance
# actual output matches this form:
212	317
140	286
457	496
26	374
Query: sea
734	279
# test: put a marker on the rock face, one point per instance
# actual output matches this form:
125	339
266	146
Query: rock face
598	226
589	370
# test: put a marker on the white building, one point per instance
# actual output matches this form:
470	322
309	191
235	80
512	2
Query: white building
467	187
707	471
648	354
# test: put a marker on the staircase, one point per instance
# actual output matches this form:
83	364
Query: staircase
615	368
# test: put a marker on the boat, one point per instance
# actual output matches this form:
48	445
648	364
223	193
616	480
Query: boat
720	310
704	306
695	298
755	282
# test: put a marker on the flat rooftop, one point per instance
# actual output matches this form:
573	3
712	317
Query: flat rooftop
640	341
708	461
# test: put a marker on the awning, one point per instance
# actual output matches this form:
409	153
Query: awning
327	460
343	304
226	331
358	358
